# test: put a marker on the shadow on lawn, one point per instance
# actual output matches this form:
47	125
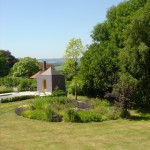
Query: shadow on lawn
139	118
140	114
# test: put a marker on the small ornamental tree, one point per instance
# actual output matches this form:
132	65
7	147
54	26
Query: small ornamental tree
73	52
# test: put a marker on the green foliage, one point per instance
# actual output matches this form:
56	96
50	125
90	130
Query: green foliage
113	113
35	114
18	98
47	101
59	93
120	44
76	82
98	70
135	59
26	67
89	116
23	84
6	62
71	116
4	89
10	82
4	66
73	52
46	105
60	108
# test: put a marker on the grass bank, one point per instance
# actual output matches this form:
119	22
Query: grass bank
21	133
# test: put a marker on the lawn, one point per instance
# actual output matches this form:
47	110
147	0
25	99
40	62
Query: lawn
21	133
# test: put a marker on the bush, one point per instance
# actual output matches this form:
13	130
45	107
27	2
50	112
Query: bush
44	102
35	114
89	116
18	98
23	84
39	115
113	113
71	116
11	81
27	114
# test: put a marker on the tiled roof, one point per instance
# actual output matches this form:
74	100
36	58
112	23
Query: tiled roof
50	71
37	74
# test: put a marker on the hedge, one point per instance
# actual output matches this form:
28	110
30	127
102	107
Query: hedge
18	98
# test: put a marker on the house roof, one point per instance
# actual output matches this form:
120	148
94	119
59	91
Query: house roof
41	69
37	74
50	71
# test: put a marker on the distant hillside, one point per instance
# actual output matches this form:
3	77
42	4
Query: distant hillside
54	61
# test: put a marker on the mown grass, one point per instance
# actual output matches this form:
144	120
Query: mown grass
21	133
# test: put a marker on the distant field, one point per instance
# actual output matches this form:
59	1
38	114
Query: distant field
21	133
59	68
54	61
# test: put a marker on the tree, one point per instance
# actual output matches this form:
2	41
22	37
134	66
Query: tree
73	52
6	62
124	92
135	59
4	66
98	70
26	67
100	63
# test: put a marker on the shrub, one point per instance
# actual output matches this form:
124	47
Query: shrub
18	98
35	114
24	85
89	116
39	115
71	116
61	99
42	102
101	106
27	114
113	113
11	81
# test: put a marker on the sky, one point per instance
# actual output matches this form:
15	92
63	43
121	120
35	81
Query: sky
43	28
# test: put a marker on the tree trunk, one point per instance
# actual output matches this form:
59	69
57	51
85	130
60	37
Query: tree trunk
75	91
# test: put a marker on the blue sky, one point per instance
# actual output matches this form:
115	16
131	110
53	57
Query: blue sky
43	28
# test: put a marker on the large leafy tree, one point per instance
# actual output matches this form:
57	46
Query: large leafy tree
4	66
73	52
26	67
98	70
100	64
6	62
135	59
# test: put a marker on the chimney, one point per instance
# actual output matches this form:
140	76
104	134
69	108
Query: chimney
44	65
